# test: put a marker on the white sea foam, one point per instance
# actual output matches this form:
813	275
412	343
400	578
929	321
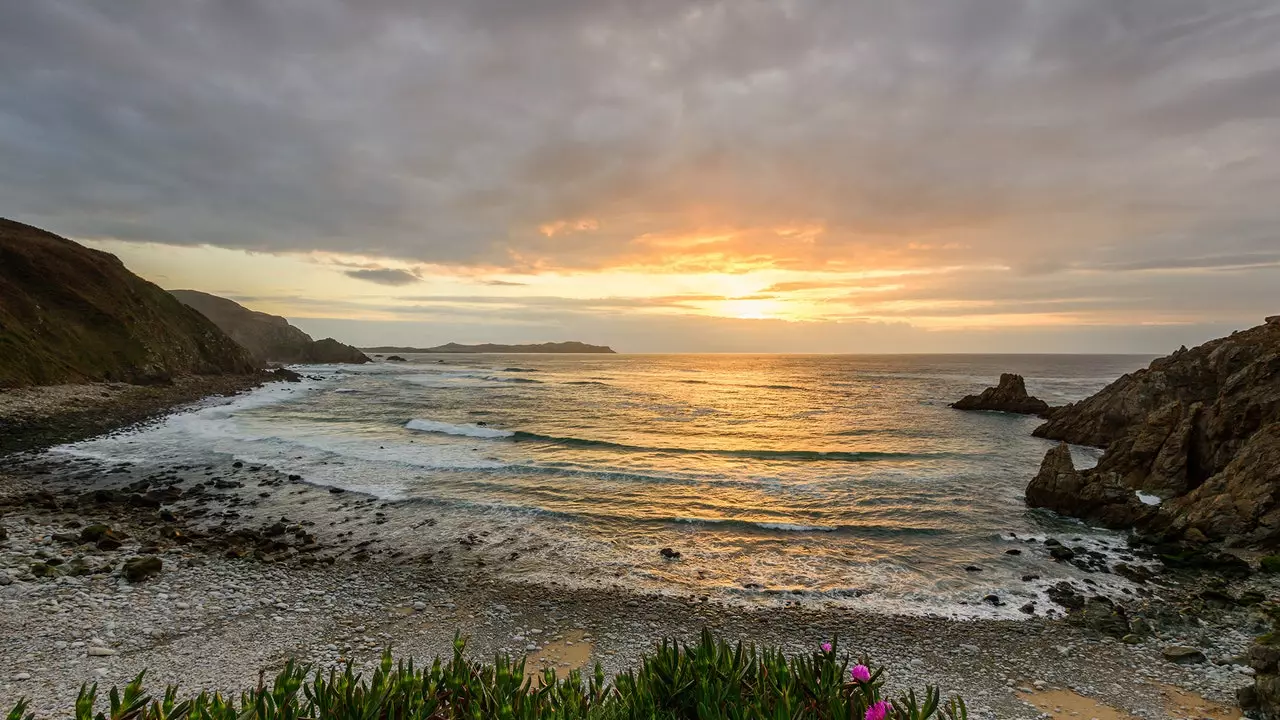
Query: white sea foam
1147	499
435	426
792	527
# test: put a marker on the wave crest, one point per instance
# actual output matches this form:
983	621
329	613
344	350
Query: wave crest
467	430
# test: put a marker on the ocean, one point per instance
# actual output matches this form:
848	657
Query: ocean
778	478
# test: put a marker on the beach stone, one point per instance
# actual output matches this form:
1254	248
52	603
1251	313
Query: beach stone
22	676
669	554
141	568
1183	655
96	651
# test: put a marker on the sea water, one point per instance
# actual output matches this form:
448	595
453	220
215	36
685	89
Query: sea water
778	477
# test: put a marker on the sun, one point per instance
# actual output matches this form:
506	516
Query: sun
749	309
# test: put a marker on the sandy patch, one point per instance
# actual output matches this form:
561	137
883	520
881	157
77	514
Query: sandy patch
570	652
1061	704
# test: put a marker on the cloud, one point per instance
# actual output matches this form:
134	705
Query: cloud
811	133
504	283
384	276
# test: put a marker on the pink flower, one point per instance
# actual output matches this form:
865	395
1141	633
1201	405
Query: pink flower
878	711
826	647
861	673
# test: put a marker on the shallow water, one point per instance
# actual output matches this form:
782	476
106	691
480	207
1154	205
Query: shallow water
813	478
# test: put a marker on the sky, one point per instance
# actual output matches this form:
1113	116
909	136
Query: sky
669	175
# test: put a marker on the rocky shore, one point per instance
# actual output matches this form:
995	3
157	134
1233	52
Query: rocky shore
44	415
206	575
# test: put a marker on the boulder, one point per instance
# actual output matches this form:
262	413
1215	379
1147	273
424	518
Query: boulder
140	568
395	358
1183	655
1010	395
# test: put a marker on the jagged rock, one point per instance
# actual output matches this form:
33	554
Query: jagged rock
286	375
1008	396
670	554
1061	488
1197	433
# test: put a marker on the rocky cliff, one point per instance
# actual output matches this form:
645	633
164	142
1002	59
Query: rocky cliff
1010	395
70	314
1197	434
269	337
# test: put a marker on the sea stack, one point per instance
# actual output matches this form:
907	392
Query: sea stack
1009	396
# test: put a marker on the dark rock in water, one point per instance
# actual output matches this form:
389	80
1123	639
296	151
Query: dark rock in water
669	554
1013	551
1061	553
395	358
1134	573
1029	578
1066	596
1197	432
1009	396
993	599
1183	655
972	568
1028	609
140	568
286	375
336	490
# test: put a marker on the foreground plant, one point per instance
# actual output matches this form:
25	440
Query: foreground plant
706	680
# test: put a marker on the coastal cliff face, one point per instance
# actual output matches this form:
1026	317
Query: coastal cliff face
71	314
270	338
1197	432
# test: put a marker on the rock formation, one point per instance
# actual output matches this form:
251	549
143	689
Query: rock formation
1197	432
70	314
269	337
1009	396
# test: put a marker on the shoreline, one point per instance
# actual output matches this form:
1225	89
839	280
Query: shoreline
38	417
345	575
237	595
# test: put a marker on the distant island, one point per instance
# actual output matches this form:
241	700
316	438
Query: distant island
551	347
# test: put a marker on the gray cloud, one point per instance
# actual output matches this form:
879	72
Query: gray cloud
384	276
1046	135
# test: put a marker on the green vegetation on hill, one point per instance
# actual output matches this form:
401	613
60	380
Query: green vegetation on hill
71	314
269	337
708	680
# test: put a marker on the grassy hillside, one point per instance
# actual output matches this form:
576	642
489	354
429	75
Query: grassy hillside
270	338
71	314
